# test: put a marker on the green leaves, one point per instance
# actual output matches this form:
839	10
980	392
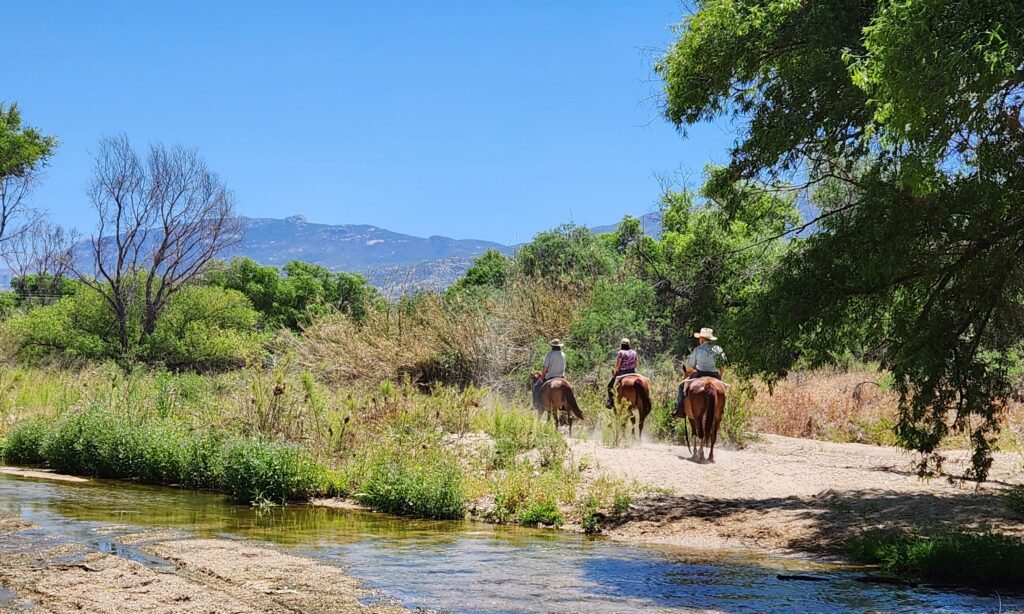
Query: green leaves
898	127
22	148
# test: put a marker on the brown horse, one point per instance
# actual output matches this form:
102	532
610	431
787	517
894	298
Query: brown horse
556	396
634	391
704	406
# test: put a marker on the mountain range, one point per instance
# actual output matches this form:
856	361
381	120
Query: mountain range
388	259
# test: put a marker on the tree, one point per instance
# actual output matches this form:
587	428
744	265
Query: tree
303	292
568	253
24	151
489	271
40	257
161	221
899	124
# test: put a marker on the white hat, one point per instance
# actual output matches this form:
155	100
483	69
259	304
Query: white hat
555	343
707	333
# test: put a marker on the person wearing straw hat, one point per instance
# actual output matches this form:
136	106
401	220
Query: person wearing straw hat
625	364
554	366
706	360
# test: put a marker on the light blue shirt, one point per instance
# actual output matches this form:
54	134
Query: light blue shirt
555	363
706	357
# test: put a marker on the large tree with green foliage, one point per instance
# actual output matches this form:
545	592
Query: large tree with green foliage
23	152
899	123
291	297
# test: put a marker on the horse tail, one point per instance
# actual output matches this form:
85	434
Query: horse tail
644	394
570	400
710	394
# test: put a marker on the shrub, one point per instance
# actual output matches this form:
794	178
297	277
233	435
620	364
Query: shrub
1014	499
425	483
24	443
201	327
977	559
257	470
541	512
527	495
517	431
205	328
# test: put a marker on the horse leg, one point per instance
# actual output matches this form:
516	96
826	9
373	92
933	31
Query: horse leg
643	416
696	436
719	413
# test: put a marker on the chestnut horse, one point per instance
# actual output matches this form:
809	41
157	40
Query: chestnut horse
704	406
556	396
635	393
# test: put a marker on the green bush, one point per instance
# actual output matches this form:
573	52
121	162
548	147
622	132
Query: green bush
974	559
24	443
201	327
257	470
207	328
425	483
516	431
541	512
299	292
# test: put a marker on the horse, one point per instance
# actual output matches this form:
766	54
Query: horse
556	396
704	406
635	392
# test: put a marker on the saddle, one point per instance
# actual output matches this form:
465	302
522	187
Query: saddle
699	384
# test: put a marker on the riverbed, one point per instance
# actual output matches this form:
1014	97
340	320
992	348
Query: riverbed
451	566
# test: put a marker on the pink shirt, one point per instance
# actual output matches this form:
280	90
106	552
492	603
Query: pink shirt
627	359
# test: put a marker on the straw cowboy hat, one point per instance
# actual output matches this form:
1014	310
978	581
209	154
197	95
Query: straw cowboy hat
624	341
555	343
706	333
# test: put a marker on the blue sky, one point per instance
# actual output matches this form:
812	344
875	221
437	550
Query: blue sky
467	119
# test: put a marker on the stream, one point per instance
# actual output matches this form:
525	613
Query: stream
469	566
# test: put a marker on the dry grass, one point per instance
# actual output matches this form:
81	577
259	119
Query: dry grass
854	406
850	406
431	338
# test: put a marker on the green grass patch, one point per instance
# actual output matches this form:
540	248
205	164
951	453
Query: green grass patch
258	470
516	431
102	443
24	443
988	560
425	483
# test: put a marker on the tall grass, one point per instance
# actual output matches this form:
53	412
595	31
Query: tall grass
102	443
968	559
425	483
855	406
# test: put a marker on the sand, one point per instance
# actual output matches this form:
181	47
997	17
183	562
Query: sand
785	495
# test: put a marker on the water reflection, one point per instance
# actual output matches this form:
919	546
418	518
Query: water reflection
470	567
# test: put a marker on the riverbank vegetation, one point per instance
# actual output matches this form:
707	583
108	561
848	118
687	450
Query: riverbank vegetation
988	560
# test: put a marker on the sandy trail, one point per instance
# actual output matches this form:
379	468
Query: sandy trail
194	575
795	495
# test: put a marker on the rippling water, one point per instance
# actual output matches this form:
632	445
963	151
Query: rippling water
473	567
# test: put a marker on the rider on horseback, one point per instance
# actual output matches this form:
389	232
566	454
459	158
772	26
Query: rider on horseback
706	360
625	364
554	366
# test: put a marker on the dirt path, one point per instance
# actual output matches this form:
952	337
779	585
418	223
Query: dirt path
794	495
183	575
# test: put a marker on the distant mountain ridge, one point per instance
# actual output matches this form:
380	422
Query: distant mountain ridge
390	260
387	258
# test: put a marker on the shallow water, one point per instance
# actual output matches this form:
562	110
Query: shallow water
472	567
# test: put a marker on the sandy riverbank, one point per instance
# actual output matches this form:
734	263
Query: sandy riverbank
184	575
795	495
